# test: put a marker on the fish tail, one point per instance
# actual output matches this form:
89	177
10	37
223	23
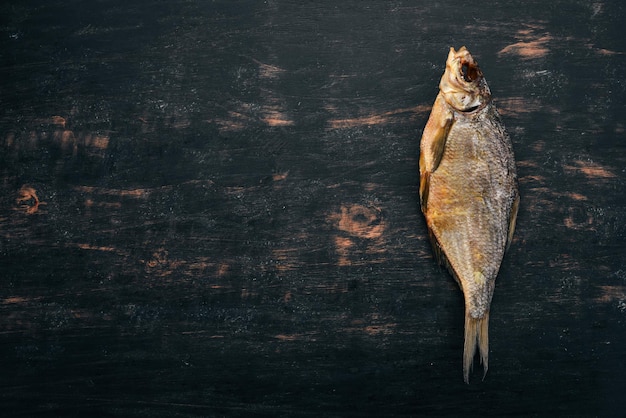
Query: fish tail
476	335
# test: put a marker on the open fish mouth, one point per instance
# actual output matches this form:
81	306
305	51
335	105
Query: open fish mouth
463	67
469	71
463	84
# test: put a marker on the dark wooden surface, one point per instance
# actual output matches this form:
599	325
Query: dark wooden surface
210	209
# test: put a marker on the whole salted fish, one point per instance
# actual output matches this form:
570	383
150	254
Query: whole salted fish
468	192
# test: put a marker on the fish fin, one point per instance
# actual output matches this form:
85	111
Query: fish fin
512	220
435	133
441	258
476	335
438	144
440	255
424	188
433	145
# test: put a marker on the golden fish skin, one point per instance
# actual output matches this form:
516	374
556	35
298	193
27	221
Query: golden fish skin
468	192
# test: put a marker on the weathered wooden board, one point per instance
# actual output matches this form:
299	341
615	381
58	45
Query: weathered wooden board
210	209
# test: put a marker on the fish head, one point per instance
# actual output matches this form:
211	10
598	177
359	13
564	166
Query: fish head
463	85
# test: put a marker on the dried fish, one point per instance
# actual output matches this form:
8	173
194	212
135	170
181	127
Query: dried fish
468	192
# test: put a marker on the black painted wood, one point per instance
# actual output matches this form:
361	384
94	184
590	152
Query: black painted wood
210	209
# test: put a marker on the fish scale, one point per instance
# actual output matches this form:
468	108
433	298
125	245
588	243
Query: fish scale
468	190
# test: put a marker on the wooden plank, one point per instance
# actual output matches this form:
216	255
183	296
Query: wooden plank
212	209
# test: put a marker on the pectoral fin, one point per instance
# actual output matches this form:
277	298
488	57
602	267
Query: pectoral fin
435	134
438	143
433	145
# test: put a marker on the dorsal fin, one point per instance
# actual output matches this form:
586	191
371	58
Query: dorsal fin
512	220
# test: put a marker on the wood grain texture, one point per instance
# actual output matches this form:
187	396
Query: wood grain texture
211	208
